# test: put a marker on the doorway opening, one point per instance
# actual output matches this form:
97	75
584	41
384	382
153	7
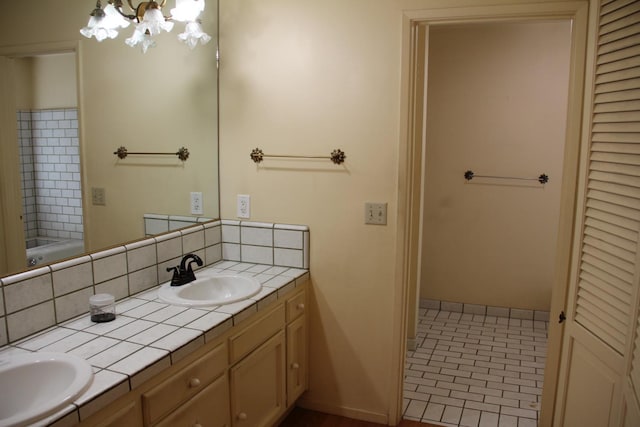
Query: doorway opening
413	169
496	104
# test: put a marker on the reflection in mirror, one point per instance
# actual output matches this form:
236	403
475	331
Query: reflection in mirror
48	143
154	102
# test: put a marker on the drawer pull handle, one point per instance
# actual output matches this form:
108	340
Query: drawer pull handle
194	382
197	425
242	416
294	365
301	306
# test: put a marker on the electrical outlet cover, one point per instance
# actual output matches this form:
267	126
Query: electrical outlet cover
196	203
244	206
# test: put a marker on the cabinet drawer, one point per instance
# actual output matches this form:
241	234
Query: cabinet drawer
256	333
128	415
209	408
296	306
184	385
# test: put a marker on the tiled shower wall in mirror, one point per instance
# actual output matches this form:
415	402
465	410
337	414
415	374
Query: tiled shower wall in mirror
50	173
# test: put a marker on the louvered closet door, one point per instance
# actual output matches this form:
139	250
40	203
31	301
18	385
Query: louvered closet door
600	344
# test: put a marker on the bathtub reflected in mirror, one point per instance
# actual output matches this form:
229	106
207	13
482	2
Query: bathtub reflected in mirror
42	251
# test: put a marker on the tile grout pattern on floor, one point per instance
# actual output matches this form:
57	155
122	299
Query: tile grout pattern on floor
475	371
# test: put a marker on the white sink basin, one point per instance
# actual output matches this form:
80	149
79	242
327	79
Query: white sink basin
210	290
36	385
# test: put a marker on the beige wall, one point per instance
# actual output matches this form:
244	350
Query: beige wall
155	102
23	73
305	78
497	97
46	81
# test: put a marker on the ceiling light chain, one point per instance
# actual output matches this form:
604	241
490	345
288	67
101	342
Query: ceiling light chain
148	21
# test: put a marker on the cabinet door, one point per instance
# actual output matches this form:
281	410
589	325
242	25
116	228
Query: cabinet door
297	357
258	385
209	408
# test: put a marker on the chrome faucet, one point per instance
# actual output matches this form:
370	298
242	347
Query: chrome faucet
183	273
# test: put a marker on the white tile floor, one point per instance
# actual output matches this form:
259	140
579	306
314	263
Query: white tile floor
475	370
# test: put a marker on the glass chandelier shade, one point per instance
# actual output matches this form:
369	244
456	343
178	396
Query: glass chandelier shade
193	34
141	38
149	22
113	18
97	28
187	10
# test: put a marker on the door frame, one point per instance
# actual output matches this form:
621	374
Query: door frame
410	169
11	228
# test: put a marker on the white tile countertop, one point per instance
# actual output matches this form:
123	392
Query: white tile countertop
148	336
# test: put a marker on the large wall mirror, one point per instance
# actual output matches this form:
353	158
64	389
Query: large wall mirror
68	103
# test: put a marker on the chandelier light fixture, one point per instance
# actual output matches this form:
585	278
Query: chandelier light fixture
148	21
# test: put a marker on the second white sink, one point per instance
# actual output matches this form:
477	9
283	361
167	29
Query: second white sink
210	290
35	385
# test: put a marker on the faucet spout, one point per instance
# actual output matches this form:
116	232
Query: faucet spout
187	266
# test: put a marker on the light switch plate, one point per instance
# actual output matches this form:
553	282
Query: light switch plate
98	196
375	213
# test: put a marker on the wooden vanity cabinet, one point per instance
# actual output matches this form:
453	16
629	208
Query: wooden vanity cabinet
249	376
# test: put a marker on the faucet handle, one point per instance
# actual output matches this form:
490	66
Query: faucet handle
176	278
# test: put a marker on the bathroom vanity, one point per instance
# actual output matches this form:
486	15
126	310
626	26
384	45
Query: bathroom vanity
250	375
180	357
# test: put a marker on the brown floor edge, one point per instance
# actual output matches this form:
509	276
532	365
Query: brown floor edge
300	417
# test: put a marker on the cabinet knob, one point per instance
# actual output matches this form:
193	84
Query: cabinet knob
294	365
301	306
242	416
194	382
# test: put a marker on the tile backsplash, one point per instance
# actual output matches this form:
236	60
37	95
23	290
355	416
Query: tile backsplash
484	310
158	223
40	298
265	243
